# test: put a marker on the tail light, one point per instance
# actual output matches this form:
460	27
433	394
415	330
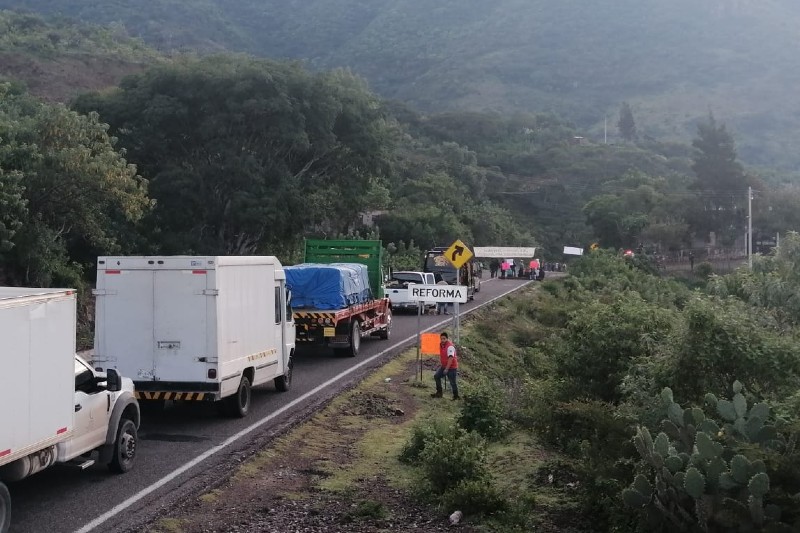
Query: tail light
212	373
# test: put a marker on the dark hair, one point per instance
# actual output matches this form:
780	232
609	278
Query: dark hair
444	334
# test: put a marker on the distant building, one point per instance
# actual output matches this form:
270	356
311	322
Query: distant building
577	140
368	218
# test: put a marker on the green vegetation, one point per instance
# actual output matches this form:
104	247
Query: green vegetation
670	61
35	36
588	367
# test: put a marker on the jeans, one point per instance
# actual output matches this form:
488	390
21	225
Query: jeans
442	308
451	376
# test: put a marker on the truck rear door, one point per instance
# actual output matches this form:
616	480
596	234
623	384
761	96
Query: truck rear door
124	329
180	328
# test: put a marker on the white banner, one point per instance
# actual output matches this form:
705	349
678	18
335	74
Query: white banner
437	293
500	252
571	250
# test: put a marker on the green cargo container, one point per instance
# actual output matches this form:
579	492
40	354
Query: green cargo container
369	253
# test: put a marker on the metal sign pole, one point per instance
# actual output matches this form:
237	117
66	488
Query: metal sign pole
419	338
457	323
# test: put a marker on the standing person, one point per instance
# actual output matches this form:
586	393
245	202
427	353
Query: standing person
503	269
494	266
691	261
448	366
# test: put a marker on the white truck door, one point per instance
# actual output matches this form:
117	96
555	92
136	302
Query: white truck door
180	325
124	330
91	412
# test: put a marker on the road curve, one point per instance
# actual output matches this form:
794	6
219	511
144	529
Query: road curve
188	447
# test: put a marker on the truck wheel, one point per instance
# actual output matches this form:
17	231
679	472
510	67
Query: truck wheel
355	339
385	333
124	447
239	403
283	383
5	509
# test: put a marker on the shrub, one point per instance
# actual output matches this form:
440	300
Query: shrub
482	411
603	340
704	270
420	435
474	497
724	340
453	457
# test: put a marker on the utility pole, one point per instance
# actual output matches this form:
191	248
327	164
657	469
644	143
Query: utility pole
750	227
605	129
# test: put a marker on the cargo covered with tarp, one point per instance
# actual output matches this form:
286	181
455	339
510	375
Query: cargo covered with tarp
328	286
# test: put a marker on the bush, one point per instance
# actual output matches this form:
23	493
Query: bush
474	497
420	435
602	342
452	458
704	270
482	411
725	340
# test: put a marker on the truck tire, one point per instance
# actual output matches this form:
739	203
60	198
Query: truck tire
284	383
124	447
386	332
355	341
5	509
239	404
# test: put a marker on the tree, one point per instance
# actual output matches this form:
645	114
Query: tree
71	196
247	155
626	124
721	180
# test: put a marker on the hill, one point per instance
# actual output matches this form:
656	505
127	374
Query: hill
58	59
672	61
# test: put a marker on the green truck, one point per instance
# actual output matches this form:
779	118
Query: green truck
343	329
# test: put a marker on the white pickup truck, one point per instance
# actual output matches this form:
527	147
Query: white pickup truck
54	408
397	289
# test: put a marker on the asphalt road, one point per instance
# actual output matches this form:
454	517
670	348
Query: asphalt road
188	447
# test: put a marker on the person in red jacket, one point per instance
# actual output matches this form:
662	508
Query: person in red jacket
448	366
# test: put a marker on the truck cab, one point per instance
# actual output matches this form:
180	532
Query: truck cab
435	262
397	289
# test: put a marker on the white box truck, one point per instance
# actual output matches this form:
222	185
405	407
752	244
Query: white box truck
54	408
195	328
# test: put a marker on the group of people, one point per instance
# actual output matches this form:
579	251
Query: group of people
515	268
506	268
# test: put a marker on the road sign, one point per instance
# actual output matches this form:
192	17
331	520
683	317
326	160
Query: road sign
437	293
501	252
458	254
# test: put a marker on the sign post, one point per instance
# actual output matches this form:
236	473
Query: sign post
458	254
454	294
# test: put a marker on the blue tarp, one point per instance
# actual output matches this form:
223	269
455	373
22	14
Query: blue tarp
333	286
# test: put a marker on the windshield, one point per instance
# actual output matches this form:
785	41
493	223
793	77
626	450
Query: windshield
438	264
407	277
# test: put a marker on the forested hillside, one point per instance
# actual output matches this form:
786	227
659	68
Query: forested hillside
57	59
673	61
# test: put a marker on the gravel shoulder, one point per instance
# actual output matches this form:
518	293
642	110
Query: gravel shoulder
330	473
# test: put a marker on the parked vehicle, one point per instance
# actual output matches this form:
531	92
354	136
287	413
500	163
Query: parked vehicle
54	408
437	263
342	326
397	289
195	328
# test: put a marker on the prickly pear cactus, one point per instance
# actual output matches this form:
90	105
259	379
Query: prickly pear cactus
695	479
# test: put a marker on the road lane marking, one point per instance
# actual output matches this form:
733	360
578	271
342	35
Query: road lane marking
246	431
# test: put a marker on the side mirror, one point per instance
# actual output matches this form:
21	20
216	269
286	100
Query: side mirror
113	380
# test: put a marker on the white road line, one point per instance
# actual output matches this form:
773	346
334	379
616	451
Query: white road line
230	440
